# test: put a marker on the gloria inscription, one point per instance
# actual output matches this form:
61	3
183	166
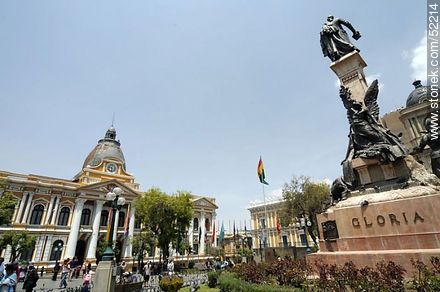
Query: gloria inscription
382	220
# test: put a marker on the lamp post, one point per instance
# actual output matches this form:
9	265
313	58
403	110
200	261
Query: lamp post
116	203
58	250
304	224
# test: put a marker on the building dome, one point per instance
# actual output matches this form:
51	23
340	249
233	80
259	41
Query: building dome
418	95
106	148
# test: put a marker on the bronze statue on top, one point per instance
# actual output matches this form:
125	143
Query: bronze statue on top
368	137
335	42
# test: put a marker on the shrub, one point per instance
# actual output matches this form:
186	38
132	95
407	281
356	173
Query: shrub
385	277
252	272
213	279
228	282
289	272
425	279
171	284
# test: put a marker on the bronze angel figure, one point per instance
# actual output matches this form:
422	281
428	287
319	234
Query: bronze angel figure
368	137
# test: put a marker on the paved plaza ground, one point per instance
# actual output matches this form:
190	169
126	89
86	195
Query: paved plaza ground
45	283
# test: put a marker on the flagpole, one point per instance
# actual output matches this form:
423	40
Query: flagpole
265	218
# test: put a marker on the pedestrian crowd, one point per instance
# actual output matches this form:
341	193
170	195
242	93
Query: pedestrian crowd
13	273
71	268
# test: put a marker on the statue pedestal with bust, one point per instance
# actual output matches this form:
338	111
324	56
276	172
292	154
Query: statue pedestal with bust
350	72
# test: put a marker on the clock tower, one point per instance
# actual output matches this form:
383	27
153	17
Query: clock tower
106	162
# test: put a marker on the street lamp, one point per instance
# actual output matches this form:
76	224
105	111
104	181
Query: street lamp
116	204
58	249
305	222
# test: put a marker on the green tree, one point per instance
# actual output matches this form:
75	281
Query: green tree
19	242
303	197
7	204
141	244
167	217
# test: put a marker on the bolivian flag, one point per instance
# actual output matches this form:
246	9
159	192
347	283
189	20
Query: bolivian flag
260	172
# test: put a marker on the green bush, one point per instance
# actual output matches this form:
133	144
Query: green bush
171	284
213	279
228	282
424	278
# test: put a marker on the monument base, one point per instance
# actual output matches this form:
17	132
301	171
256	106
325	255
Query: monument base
394	225
371	258
105	277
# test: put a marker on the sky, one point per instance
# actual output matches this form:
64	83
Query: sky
200	89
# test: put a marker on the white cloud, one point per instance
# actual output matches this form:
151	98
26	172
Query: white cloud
418	61
276	194
372	77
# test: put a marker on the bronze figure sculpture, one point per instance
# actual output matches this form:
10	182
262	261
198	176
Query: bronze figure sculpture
368	137
335	42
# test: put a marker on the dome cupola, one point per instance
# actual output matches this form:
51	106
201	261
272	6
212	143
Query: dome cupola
418	95
107	148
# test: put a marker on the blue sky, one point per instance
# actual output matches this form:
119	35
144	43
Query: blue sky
200	89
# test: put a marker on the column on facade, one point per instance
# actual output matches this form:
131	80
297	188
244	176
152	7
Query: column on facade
28	207
128	240
55	209
191	233
21	208
38	249
91	252
74	228
49	210
16	209
46	253
202	236
115	227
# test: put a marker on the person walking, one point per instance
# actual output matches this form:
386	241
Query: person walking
65	273
30	281
9	280
147	272
56	270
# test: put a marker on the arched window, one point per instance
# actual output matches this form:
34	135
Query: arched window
207	225
37	214
121	219
196	224
64	216
104	218
85	217
57	249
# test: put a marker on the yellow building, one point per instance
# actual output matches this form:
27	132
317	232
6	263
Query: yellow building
70	216
266	234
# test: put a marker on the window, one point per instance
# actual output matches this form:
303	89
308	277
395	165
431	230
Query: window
57	249
85	217
207	225
121	219
196	224
64	216
104	218
37	214
195	249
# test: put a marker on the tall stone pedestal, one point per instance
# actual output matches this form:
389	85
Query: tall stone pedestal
350	71
105	280
396	225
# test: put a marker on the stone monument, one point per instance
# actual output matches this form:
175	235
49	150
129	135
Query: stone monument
385	204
